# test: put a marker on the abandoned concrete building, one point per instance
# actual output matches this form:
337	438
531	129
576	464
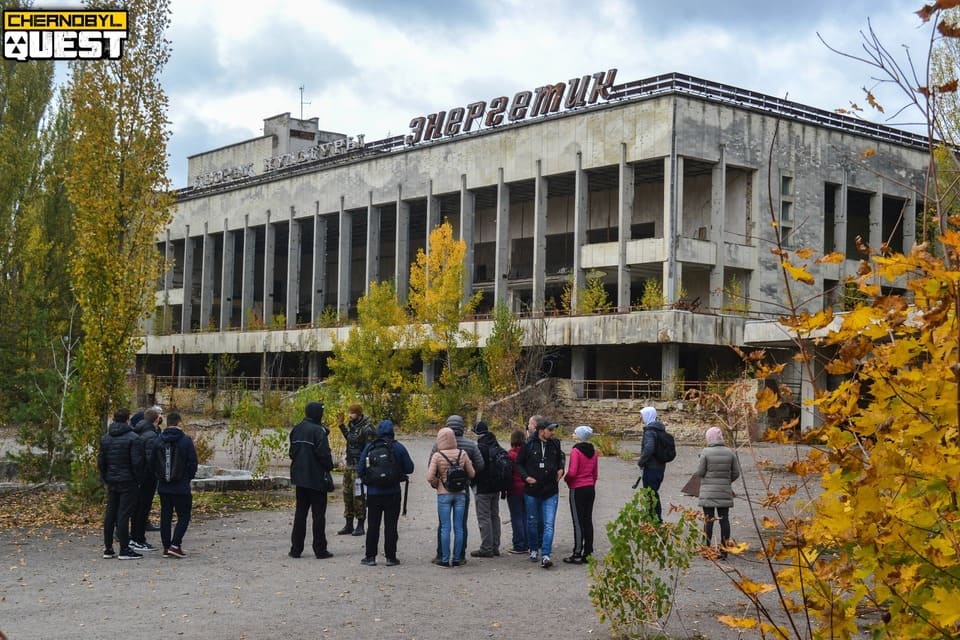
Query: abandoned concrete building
670	180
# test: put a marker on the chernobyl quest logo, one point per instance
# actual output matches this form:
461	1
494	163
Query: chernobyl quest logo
41	34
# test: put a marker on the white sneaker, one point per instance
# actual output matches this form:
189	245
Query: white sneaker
533	555
546	562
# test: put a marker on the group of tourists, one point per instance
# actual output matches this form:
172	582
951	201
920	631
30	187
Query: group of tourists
136	461
377	467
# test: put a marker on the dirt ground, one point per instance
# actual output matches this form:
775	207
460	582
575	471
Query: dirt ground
238	582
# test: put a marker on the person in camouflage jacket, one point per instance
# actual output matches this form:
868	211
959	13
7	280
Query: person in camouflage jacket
358	432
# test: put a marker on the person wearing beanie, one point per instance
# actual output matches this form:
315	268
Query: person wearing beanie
310	466
457	424
384	502
718	469
653	469
357	433
541	462
581	478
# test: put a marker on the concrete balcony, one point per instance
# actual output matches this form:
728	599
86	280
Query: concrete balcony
637	327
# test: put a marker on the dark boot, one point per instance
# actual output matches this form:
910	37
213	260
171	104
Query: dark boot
347	528
358	531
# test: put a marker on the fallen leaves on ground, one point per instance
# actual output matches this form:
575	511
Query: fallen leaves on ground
43	508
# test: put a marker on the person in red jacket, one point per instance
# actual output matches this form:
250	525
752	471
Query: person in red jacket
582	479
518	513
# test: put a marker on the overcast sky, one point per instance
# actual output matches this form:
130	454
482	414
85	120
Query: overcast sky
369	66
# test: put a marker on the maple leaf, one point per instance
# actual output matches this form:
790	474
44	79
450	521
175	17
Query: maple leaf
797	273
872	101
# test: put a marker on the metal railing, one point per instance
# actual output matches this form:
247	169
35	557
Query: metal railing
684	84
635	389
228	383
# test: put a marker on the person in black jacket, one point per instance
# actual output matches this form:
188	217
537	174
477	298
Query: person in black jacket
147	431
119	462
384	502
653	469
176	495
488	497
310	466
541	464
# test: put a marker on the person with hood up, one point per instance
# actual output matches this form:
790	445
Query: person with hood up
582	479
176	495
718	469
458	425
310	466
383	503
652	468
119	461
450	506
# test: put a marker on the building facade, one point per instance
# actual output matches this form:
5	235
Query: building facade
671	180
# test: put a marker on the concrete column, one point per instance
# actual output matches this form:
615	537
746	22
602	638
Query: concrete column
293	270
580	217
206	279
269	261
539	239
169	259
578	369
502	256
909	222
876	218
248	276
468	222
343	262
402	268
718	203
226	277
809	418
672	225
669	364
186	311
317	293
670	275
373	244
313	367
840	227
433	214
624	220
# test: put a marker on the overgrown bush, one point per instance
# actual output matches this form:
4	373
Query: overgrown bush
259	429
634	584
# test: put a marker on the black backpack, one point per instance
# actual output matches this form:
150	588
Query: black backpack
382	469
666	449
167	462
457	479
499	469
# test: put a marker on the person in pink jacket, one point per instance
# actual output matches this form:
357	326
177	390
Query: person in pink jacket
582	479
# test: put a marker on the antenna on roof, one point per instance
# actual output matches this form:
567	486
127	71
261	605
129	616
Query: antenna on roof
302	102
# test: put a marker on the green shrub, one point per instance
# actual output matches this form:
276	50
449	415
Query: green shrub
634	584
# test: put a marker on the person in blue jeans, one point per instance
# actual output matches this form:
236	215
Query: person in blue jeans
541	464
450	504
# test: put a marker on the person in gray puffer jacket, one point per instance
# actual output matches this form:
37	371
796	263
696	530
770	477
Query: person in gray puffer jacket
718	469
